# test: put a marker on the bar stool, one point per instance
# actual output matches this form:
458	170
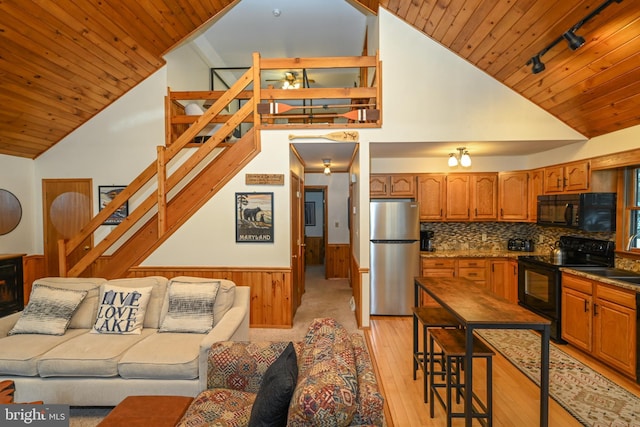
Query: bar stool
429	317
452	351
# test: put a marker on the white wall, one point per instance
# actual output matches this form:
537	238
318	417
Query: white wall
16	176
337	194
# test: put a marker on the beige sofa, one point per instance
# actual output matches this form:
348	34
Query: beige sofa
87	367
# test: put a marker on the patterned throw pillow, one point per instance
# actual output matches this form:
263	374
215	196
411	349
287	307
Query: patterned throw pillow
121	310
190	307
49	311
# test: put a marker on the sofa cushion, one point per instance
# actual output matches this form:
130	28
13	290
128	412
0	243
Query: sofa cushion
272	401
19	354
85	314
122	309
88	355
190	306
163	356
224	298
219	407
49	311
327	385
154	308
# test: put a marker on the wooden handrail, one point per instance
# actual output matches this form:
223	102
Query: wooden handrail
194	125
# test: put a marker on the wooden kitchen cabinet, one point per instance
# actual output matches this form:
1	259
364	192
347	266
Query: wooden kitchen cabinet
484	197
458	197
474	269
395	185
503	278
432	196
600	319
435	267
513	189
569	177
535	189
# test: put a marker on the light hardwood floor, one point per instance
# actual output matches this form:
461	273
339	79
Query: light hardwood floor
516	399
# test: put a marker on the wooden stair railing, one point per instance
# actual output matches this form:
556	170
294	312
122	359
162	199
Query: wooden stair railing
164	185
144	229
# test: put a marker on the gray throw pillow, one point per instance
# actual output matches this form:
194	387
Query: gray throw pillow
49	311
190	307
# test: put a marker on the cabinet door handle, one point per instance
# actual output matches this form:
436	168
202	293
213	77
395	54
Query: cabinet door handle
586	306
595	309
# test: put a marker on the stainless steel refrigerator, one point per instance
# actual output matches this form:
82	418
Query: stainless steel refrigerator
395	255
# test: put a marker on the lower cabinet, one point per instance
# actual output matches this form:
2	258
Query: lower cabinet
600	319
499	275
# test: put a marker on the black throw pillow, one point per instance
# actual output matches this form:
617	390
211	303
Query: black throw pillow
272	401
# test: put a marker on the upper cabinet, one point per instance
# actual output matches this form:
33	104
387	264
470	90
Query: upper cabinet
395	185
484	197
514	196
432	196
458	197
536	188
568	177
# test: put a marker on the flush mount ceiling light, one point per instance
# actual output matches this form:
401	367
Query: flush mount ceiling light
276	12
462	157
573	40
327	166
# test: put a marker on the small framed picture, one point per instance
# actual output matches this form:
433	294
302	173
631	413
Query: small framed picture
106	193
254	217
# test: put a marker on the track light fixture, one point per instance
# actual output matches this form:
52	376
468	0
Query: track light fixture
573	40
463	158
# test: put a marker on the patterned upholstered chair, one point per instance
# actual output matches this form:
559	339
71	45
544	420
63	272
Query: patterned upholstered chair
336	384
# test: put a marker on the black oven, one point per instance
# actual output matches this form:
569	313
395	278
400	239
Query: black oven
540	279
539	290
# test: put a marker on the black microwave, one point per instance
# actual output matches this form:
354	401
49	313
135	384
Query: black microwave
585	211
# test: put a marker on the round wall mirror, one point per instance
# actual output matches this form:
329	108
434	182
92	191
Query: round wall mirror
10	212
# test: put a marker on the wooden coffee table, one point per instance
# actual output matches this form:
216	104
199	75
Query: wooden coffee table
145	411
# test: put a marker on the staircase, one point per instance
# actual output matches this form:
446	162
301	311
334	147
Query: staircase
210	165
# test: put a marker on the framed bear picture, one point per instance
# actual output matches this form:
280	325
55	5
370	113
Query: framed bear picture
254	217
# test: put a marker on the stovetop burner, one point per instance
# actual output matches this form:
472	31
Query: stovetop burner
579	251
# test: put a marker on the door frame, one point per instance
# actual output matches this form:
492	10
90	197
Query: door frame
324	189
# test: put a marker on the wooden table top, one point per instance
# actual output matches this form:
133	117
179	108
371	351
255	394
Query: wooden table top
474	305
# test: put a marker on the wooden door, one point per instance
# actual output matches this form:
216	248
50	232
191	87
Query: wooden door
514	196
432	196
297	241
615	332
378	185
67	207
576	318
458	197
577	176
553	179
484	196
403	186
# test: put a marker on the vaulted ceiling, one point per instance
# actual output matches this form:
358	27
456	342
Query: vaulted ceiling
63	62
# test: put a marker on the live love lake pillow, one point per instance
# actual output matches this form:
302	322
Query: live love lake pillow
121	309
49	311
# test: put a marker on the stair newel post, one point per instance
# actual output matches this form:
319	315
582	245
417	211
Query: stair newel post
162	193
62	258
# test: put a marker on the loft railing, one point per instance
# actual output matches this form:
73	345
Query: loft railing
258	108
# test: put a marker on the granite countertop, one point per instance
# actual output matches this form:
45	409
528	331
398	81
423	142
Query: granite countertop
468	253
614	282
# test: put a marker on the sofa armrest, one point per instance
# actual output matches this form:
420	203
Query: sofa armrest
241	365
7	323
369	400
234	326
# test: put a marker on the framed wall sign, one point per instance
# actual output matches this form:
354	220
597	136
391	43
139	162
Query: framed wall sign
106	193
310	213
254	217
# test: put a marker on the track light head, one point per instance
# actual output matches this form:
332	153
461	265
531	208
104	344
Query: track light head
538	65
575	41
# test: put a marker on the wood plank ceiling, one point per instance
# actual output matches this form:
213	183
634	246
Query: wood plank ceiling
62	62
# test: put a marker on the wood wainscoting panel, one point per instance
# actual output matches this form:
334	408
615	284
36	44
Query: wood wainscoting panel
356	289
32	269
271	290
337	262
314	250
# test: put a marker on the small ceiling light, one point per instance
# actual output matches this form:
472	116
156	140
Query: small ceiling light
327	166
276	12
574	40
538	65
462	157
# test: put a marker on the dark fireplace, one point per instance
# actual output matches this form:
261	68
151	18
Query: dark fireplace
11	287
